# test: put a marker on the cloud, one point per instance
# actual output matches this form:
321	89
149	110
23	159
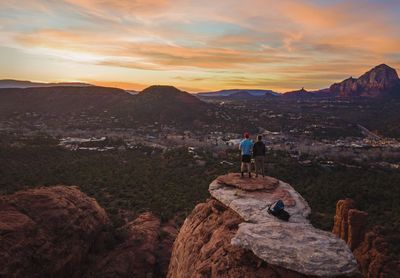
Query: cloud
253	43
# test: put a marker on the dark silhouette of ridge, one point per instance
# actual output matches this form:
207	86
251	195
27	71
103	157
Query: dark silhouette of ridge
12	83
163	104
171	104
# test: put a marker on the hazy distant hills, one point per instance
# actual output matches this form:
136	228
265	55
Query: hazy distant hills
302	93
11	83
167	104
237	93
380	81
163	104
60	100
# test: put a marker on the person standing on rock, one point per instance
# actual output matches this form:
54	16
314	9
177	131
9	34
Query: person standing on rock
259	155
246	147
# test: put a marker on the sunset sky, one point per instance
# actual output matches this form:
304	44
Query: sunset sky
197	45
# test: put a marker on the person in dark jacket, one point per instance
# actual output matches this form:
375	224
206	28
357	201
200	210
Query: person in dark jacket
259	155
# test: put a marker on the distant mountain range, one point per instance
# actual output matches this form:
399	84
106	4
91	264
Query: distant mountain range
380	81
11	83
238	93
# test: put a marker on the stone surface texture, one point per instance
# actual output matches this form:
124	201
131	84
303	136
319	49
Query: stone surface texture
203	249
59	231
376	82
48	232
294	245
234	179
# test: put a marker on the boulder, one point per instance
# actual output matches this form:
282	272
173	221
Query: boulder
49	231
61	232
297	246
252	205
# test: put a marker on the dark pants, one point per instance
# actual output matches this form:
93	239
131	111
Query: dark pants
259	164
246	163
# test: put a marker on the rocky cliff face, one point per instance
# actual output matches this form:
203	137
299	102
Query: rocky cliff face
48	231
60	232
234	236
379	81
138	237
369	247
203	247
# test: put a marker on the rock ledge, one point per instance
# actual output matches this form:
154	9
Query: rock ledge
294	245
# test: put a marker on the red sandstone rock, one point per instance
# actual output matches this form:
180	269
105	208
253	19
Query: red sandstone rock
60	232
357	221
285	196
48	232
371	251
376	82
341	225
372	257
203	249
135	256
249	184
168	233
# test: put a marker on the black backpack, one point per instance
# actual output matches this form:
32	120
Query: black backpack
277	209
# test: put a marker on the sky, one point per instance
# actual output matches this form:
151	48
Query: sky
197	45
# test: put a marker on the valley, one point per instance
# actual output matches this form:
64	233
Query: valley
157	151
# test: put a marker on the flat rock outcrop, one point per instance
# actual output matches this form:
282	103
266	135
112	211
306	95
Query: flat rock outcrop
48	232
203	247
294	245
234	179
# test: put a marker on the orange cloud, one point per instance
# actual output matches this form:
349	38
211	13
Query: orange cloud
282	44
